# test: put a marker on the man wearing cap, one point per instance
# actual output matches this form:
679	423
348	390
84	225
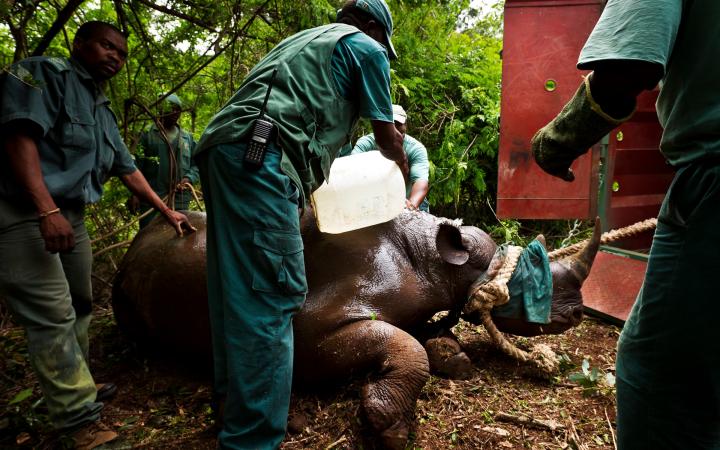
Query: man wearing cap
417	185
668	354
165	158
323	79
59	143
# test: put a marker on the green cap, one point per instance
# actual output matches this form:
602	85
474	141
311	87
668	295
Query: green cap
380	11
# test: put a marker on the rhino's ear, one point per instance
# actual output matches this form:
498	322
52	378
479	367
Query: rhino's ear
449	244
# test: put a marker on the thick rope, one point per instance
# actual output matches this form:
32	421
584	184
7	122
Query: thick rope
146	213
194	194
484	297
606	238
494	292
127	225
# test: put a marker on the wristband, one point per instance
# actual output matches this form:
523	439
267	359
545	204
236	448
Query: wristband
42	215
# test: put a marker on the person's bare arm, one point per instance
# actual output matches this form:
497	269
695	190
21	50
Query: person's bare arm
24	159
390	142
139	186
418	193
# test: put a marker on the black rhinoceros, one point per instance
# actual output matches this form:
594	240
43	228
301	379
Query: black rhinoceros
370	292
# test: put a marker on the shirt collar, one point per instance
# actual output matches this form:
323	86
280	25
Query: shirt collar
84	75
156	128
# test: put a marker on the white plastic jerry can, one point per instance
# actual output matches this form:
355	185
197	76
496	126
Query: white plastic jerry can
363	189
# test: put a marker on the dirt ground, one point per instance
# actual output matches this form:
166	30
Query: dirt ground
163	405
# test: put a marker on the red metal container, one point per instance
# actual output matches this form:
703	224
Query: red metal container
542	41
622	179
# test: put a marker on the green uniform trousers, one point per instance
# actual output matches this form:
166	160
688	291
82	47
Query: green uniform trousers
668	362
50	296
256	283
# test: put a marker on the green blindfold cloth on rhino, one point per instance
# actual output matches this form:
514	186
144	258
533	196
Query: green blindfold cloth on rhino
530	287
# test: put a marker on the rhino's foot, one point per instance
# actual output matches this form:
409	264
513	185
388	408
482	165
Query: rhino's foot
395	437
387	418
447	358
395	361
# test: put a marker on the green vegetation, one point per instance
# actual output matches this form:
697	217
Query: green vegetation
594	381
447	77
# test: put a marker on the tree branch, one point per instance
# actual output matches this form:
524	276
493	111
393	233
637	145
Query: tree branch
62	18
179	15
194	72
121	16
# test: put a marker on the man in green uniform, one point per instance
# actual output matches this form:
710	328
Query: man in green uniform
60	142
324	79
417	186
668	361
165	159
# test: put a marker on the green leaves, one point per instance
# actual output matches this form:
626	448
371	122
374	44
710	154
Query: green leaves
448	79
593	380
21	396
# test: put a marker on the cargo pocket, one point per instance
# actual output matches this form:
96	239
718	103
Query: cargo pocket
78	132
279	267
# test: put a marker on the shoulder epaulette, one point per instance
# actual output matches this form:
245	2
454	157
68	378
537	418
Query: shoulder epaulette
56	63
61	64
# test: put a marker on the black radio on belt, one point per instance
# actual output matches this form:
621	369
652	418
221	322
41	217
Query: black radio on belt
263	132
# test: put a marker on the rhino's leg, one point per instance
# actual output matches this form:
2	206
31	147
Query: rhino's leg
445	354
398	368
447	358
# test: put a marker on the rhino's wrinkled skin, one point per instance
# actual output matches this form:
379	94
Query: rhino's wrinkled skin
370	291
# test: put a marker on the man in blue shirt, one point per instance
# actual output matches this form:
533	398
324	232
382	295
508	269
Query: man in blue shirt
417	185
59	144
668	359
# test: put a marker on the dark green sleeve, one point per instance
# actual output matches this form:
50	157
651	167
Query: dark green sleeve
141	154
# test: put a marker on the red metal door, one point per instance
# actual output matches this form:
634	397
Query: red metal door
542	41
636	176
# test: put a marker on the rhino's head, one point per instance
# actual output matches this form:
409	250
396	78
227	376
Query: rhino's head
471	250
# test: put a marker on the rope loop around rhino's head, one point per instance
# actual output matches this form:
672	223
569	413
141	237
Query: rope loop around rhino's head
491	290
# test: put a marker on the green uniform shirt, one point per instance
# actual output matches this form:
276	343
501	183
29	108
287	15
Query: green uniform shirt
362	74
153	158
682	36
80	145
313	106
416	155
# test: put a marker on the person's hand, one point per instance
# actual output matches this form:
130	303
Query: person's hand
552	156
409	205
581	123
57	233
179	221
133	204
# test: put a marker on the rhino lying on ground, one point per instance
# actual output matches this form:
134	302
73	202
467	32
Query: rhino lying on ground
370	292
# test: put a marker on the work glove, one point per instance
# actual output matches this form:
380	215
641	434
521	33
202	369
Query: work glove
580	124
